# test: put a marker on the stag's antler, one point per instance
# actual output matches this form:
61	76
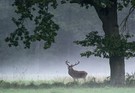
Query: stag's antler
76	63
67	63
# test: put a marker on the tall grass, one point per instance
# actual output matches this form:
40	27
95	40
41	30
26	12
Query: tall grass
70	90
130	79
66	82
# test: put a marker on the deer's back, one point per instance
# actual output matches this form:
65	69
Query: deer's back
78	74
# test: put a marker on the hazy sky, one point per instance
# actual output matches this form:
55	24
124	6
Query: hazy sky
75	23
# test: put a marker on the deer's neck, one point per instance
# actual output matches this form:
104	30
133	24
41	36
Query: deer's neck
71	70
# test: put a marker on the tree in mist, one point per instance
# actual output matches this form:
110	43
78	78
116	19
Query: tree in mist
113	45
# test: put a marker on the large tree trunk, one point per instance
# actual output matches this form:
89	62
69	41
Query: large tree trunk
108	17
117	70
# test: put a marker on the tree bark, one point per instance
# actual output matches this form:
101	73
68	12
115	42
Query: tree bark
117	70
110	26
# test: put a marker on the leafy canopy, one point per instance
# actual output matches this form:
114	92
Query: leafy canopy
107	46
36	11
45	28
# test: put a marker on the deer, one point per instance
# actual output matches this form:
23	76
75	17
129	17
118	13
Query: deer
74	73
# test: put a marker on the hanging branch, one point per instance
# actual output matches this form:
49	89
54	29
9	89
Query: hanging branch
124	22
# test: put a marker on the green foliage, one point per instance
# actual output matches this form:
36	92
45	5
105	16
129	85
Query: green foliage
123	3
107	46
88	3
103	3
37	12
45	28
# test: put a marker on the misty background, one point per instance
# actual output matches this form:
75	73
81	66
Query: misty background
36	63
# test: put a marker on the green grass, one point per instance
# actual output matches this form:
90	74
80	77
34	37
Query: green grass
66	85
70	90
91	82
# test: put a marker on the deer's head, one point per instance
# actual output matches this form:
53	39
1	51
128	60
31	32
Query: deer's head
70	66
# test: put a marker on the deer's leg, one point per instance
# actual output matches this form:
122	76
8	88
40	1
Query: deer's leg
84	79
74	79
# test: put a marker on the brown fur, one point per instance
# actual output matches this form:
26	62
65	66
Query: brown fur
74	73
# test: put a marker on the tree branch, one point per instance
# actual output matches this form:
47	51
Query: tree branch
124	22
85	2
76	1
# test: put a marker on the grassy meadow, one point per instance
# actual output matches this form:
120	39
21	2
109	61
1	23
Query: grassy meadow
66	85
70	90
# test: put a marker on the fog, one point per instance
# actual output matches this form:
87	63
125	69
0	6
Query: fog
36	63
